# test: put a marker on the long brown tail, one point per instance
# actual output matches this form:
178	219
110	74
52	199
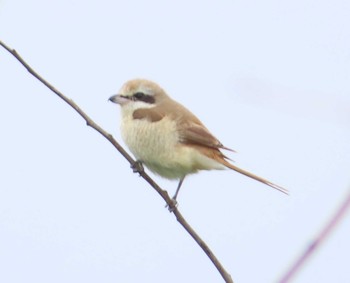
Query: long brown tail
257	178
221	158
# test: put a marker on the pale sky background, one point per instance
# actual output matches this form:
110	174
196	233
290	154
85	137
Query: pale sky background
271	79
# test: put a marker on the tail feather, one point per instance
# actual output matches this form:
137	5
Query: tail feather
255	177
221	158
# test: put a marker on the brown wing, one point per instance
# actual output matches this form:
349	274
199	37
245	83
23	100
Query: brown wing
190	128
150	114
198	134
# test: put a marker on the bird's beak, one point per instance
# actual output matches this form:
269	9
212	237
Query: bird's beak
119	99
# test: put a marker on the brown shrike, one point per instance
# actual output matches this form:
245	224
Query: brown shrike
167	137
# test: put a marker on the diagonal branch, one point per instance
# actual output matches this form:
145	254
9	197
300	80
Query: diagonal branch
164	194
316	243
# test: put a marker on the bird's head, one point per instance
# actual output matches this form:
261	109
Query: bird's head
139	93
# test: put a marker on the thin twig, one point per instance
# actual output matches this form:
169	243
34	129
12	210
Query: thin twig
316	243
164	194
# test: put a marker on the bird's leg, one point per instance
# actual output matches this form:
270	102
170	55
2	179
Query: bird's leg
137	167
178	188
173	199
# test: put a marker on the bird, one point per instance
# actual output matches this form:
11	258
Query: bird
168	138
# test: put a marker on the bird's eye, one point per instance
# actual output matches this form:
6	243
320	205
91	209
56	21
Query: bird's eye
139	95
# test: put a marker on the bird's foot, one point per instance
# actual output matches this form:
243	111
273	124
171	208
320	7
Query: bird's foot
173	205
137	167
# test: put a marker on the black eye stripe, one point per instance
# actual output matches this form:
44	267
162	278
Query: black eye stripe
140	96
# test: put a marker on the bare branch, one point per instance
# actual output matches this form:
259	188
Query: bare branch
298	264
164	194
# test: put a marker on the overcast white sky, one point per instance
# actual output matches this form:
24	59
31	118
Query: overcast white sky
269	78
